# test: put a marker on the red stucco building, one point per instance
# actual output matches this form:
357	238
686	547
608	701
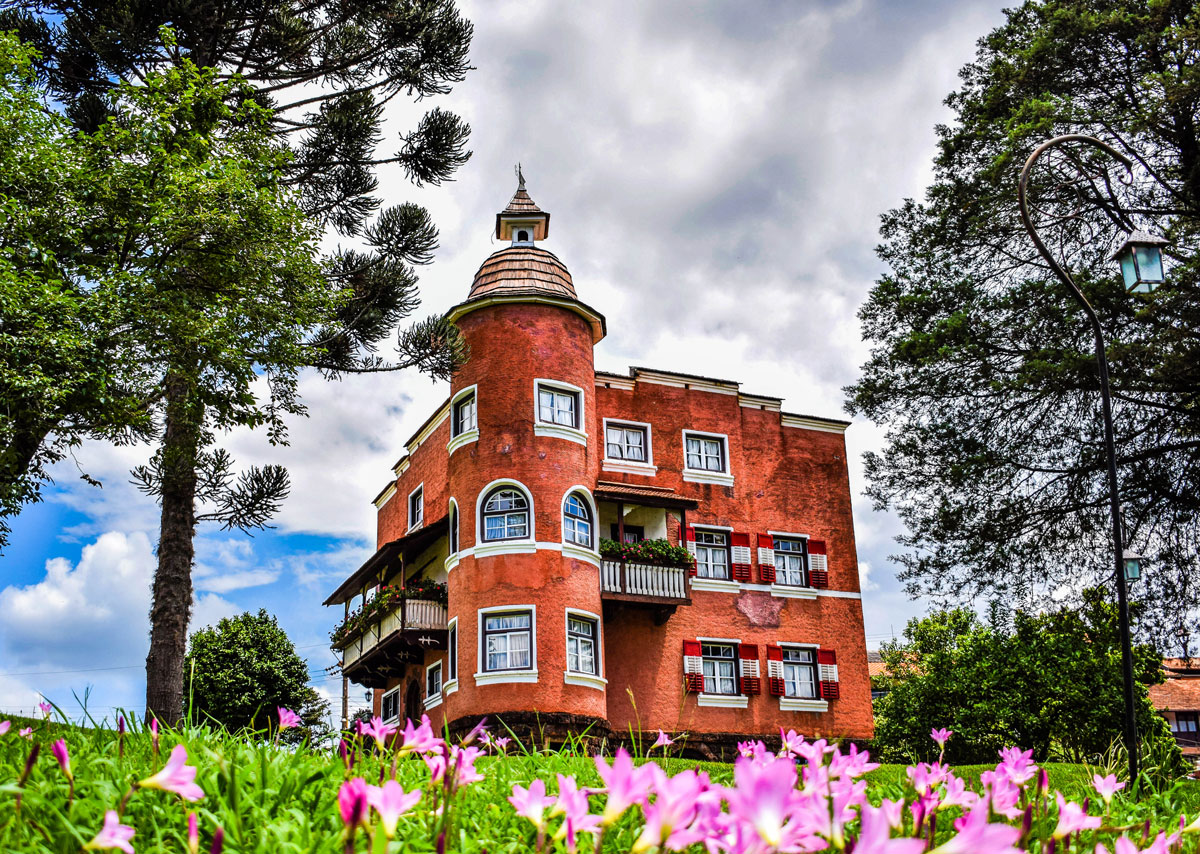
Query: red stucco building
506	492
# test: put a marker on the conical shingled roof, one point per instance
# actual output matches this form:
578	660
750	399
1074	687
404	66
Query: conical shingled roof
523	270
520	203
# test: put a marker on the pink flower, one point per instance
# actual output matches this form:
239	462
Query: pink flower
112	835
502	743
4	727
45	707
353	802
670	815
531	803
791	742
176	776
154	733
59	749
941	736
855	763
379	731
26	732
624	783
1071	818
875	835
957	794
1005	796
287	718
1106	787
764	796
662	741
391	801
193	834
572	804
419	739
462	760
436	763
977	836
1017	765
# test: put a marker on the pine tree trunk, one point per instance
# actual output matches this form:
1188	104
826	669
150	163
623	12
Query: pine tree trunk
172	604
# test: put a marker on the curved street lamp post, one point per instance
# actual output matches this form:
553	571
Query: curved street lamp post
1141	266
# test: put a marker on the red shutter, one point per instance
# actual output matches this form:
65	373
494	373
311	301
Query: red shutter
739	556
693	666
775	670
748	665
689	542
766	559
828	674
818	564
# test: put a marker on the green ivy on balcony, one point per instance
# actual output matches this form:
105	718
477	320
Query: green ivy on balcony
386	599
653	552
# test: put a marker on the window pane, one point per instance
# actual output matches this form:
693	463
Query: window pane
518	650
494	528
507	621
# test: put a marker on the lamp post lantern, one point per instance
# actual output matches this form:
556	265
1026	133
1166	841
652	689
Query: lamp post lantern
1141	266
1141	262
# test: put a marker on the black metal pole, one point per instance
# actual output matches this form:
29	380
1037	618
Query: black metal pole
1130	720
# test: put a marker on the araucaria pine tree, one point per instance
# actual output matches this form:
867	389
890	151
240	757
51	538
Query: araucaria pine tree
324	72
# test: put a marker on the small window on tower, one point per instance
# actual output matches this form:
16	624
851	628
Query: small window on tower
522	236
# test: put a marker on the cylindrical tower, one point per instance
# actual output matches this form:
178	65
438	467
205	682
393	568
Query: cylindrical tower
524	452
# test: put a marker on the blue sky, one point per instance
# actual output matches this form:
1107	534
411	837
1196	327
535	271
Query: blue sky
715	173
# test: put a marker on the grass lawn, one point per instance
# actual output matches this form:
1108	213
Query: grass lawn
273	799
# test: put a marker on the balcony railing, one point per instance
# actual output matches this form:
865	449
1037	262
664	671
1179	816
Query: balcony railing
630	580
406	622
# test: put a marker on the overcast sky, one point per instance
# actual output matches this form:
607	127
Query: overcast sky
715	172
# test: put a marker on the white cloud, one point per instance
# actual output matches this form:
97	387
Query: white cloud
88	623
865	583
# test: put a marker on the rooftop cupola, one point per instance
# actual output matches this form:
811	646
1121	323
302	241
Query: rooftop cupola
522	221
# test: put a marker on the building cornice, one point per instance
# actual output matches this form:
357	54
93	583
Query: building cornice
594	318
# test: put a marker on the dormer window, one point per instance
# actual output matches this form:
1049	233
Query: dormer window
522	237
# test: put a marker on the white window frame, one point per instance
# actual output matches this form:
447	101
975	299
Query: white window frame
450	683
700	529
573	549
399	704
454	535
560	431
412	526
432	700
730	701
467	436
803	704
647	468
495	677
595	680
722	478
487	548
803	555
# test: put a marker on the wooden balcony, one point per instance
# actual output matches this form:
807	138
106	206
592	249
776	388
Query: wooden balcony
394	639
663	588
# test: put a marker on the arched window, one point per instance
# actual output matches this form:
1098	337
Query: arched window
577	521
453	528
505	514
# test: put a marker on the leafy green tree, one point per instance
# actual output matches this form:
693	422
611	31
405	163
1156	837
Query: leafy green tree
325	70
1050	682
982	368
61	375
243	669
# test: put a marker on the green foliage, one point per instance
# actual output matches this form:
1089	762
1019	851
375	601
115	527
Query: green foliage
982	367
243	669
1050	681
658	552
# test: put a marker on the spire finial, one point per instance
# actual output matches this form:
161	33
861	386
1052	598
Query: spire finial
520	178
